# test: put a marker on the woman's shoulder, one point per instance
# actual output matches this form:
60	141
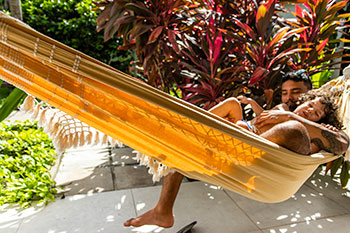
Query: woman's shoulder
282	107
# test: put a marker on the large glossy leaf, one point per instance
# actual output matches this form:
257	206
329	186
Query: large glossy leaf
140	9
155	34
335	8
172	40
264	15
320	11
281	33
11	103
336	165
246	29
344	174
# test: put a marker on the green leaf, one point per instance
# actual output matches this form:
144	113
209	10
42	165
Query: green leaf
344	175
336	165
11	103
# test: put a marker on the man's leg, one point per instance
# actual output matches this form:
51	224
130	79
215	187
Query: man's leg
162	214
290	134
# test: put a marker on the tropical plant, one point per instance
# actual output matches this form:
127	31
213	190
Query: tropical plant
322	24
10	98
204	51
26	156
213	49
74	24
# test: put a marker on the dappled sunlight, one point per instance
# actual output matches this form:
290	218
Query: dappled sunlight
104	212
140	206
147	228
12	212
309	225
11	215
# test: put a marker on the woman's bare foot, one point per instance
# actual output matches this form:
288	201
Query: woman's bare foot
151	217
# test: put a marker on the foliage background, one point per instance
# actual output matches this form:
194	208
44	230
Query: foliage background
26	157
73	23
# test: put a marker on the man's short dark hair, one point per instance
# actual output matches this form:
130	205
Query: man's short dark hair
298	76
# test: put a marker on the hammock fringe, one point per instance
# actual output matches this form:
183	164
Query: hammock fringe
68	132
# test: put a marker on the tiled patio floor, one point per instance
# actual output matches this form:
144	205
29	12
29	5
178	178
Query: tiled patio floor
103	189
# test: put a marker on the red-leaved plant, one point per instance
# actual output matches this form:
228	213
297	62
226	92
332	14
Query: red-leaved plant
206	50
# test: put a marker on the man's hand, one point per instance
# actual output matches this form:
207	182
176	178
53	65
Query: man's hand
272	117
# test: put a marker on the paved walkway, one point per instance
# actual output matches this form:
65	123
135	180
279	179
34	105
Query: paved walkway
103	188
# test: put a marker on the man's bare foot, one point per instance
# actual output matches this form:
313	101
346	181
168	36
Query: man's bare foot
151	218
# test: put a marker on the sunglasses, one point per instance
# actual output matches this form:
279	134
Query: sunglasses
303	75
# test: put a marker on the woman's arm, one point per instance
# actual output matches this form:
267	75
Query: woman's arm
255	106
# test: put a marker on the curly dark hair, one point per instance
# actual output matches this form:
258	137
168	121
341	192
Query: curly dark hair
331	109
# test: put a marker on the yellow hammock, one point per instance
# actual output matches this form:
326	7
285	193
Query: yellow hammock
181	136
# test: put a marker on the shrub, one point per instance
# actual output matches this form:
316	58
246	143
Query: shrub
215	49
74	24
26	156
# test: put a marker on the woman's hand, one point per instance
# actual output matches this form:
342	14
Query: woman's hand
244	100
330	127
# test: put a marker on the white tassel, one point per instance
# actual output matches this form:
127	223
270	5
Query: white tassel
113	141
48	129
89	138
82	138
105	139
36	111
97	138
64	144
55	129
76	140
28	104
70	140
59	137
42	118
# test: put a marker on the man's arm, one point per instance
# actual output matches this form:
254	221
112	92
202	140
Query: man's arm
321	137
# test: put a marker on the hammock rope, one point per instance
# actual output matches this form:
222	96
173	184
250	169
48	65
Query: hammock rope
169	131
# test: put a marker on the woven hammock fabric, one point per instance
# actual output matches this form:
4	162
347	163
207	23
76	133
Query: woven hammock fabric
181	136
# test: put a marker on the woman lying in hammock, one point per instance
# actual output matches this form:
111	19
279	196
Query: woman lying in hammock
295	130
312	106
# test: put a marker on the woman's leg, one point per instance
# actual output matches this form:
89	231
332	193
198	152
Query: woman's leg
230	109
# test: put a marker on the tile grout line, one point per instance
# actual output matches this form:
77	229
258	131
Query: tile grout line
133	201
242	210
111	166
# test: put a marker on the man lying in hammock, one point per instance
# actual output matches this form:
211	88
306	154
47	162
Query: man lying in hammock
312	106
295	130
294	83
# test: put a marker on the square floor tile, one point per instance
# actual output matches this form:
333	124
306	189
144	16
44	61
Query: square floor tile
132	177
213	210
84	157
95	180
330	188
123	156
305	204
103	212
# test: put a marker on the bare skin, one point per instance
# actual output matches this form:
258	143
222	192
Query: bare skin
291	90
278	126
162	214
